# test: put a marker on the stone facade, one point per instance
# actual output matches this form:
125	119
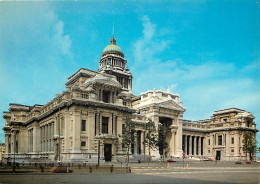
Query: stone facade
2	151
88	117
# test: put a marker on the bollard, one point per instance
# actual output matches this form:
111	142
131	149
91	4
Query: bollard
90	169
168	165
111	169
187	166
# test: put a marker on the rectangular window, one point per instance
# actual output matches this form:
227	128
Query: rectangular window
106	95
123	128
208	151
83	143
83	125
209	141
220	140
232	150
105	125
232	140
85	96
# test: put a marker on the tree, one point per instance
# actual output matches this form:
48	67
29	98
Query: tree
162	144
128	135
150	138
249	144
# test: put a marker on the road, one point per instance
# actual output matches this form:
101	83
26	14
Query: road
206	173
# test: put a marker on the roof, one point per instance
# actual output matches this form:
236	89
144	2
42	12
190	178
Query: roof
112	46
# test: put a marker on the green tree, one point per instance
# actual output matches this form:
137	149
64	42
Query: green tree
150	138
249	144
162	144
128	136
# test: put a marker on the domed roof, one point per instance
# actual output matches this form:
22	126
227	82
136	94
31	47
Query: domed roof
112	46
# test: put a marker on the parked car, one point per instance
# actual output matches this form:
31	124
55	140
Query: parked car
207	159
248	161
238	162
61	169
171	160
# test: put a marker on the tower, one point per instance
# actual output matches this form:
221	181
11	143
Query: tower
112	62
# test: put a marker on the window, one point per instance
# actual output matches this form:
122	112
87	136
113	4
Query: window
85	96
83	125
209	141
83	143
124	103
208	151
220	140
232	140
106	96
105	125
123	129
232	150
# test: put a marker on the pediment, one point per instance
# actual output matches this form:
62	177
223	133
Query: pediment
104	80
171	104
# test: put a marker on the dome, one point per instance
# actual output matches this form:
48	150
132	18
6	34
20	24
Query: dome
112	46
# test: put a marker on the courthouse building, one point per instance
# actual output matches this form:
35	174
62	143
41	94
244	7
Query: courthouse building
90	115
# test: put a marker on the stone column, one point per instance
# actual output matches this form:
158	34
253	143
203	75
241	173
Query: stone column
110	100
101	95
135	146
114	124
186	144
123	83
97	123
190	146
6	143
195	145
76	130
227	144
179	137
48	137
142	144
115	97
204	146
110	119
100	123
91	134
14	141
66	132
172	143
211	144
119	132
236	144
199	138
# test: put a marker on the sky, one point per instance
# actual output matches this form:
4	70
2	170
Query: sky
208	52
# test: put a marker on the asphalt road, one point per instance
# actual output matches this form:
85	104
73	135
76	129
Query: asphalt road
152	173
146	176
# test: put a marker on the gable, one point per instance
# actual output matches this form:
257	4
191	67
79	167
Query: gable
171	104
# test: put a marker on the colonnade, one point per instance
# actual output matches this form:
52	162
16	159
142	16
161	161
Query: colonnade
47	132
139	147
193	145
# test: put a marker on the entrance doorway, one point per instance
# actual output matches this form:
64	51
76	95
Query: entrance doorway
108	152
218	155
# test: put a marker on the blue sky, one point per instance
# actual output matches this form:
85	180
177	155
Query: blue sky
206	51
